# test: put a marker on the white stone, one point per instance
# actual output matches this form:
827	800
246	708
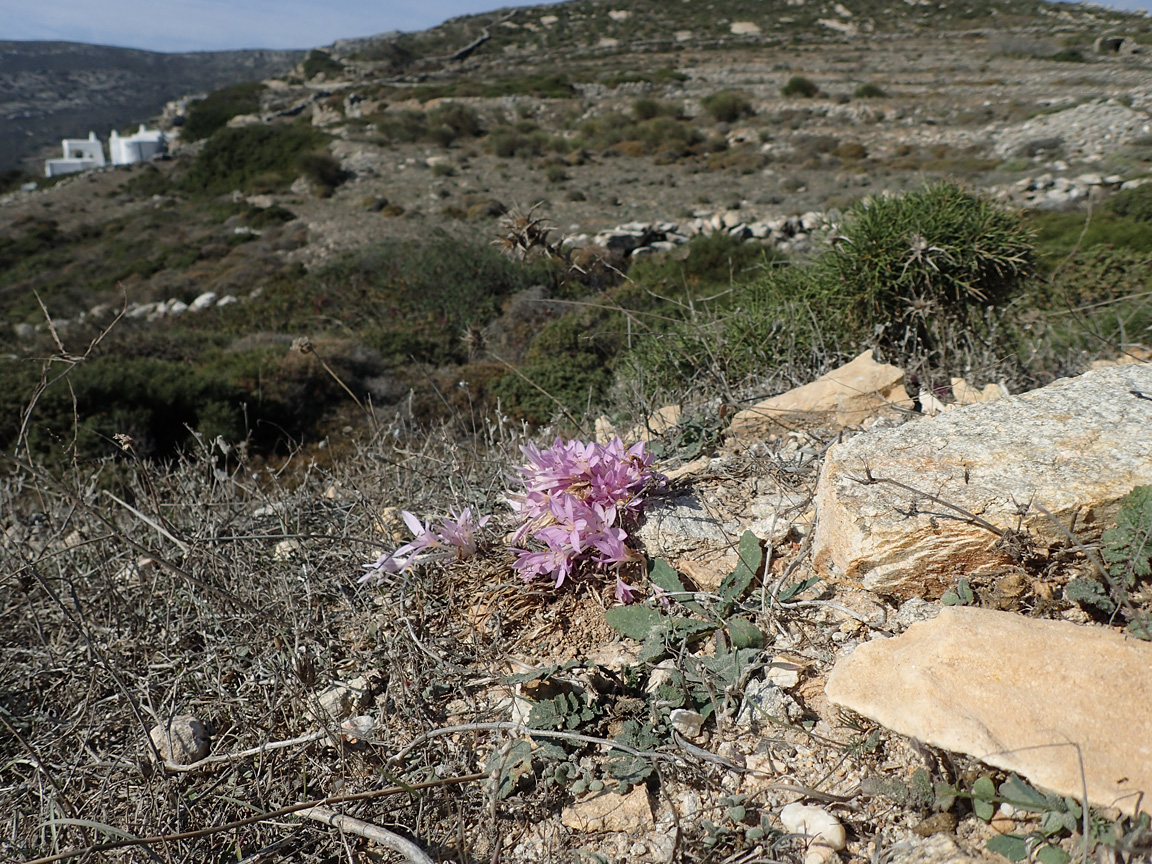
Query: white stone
744	28
182	739
783	673
1018	693
1076	446
687	723
204	301
845	396
826	834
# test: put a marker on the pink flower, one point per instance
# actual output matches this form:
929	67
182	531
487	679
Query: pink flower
575	499
454	537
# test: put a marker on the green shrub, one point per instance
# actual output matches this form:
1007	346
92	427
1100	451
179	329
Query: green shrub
321	61
868	91
257	158
727	106
155	402
798	85
1134	204
323	170
919	270
205	116
714	261
1069	55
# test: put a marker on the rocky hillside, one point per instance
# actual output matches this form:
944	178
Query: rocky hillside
54	90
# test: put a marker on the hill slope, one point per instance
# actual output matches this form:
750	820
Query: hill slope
52	90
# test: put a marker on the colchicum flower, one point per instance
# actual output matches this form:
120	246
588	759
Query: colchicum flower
452	538
575	501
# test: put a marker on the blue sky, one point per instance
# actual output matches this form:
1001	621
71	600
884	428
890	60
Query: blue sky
207	25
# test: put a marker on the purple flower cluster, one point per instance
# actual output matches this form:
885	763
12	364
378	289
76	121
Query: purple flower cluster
452	538
577	497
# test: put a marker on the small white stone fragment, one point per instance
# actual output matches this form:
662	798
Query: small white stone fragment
687	723
182	739
783	673
824	830
357	728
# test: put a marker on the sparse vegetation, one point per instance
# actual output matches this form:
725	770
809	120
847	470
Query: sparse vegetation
206	116
188	500
727	106
800	86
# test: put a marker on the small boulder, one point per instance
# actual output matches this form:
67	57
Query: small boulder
1025	695
1074	447
182	739
856	391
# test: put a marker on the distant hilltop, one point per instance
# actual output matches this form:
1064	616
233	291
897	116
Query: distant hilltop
55	90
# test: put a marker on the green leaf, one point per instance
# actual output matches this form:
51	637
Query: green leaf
513	765
635	622
662	575
964	590
950	598
1052	855
1090	593
1011	846
1019	794
983	791
736	583
796	588
744	633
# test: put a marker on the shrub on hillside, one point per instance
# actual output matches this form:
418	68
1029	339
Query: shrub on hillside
869	91
1135	204
321	61
798	85
205	116
727	106
261	158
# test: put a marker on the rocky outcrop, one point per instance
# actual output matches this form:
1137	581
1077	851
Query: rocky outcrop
906	511
1028	696
860	389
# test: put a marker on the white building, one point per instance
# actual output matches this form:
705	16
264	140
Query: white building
138	147
79	155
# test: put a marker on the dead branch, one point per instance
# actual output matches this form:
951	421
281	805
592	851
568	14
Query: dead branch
375	833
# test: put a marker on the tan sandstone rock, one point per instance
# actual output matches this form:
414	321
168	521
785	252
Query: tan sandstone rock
1016	693
628	814
1074	447
843	397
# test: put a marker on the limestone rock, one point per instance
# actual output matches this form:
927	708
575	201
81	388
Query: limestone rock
1074	447
1016	693
181	739
844	396
344	698
629	814
937	849
827	835
682	523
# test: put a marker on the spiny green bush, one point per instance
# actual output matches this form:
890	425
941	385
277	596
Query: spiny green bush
869	91
941	251
798	85
205	116
647	109
728	106
260	158
922	277
443	125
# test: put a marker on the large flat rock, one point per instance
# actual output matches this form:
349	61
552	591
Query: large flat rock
1016	693
850	394
1075	447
